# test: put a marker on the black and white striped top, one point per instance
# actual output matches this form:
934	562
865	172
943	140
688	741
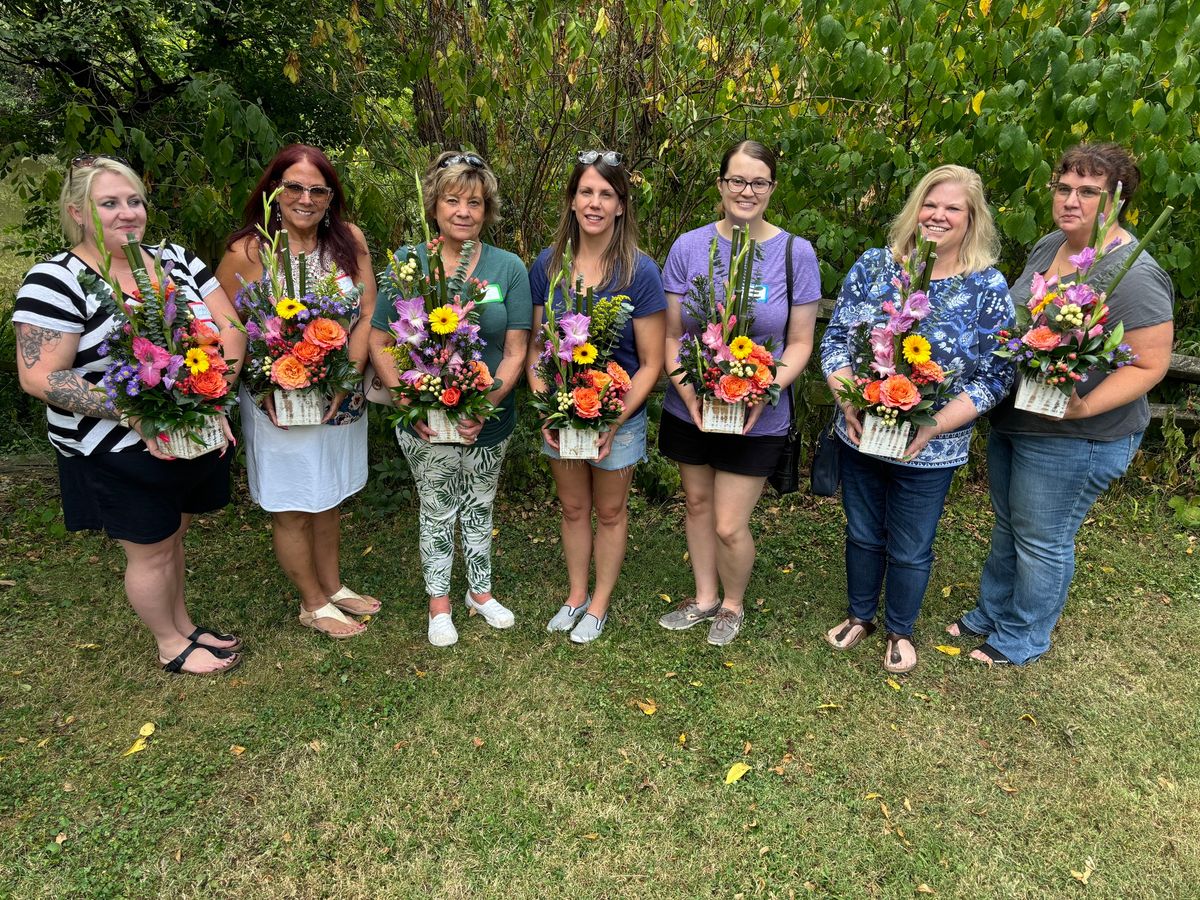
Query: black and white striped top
51	297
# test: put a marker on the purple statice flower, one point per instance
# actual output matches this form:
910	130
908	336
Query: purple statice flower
253	331
171	373
103	348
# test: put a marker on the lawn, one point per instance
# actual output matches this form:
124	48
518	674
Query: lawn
518	765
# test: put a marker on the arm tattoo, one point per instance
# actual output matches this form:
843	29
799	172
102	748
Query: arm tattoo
32	338
66	390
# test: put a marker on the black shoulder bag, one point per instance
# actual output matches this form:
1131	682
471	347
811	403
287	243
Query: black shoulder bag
786	477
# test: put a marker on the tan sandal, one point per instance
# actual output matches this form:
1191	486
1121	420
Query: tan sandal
312	619
892	660
837	637
354	603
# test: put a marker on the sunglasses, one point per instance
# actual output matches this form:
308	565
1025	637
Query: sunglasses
470	159
294	190
87	160
609	157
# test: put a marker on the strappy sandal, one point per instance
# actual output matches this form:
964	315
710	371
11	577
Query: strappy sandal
175	666
994	656
201	631
892	660
964	630
839	642
312	619
354	603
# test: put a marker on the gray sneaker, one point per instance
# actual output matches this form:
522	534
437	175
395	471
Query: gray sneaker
725	627
687	614
588	629
568	616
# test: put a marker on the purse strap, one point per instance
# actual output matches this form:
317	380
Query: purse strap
791	280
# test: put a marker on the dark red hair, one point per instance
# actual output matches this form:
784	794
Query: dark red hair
336	237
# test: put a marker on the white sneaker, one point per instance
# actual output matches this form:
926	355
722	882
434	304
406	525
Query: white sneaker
496	614
442	632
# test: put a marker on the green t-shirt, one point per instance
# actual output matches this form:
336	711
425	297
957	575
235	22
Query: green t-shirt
507	306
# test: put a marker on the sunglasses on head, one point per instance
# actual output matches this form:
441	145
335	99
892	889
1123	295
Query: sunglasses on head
609	157
87	160
470	159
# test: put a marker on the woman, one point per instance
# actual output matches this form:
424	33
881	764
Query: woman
723	475
599	228
113	477
1045	474
892	507
301	475
456	483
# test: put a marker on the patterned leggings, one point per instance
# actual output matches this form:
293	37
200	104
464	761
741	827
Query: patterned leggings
455	483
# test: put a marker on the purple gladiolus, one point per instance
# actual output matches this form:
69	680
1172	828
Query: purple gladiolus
574	327
1084	259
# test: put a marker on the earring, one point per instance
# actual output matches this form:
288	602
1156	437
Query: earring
326	218
278	216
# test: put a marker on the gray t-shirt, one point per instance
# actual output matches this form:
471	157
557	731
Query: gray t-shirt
1144	297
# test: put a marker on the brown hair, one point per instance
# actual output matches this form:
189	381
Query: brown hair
754	150
621	255
441	180
1111	162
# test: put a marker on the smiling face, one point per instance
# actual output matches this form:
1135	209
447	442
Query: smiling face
744	205
596	205
1073	214
302	212
945	217
460	212
121	210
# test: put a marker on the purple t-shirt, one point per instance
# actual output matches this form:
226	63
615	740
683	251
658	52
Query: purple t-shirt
689	258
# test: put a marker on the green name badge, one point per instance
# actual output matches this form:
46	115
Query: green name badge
492	294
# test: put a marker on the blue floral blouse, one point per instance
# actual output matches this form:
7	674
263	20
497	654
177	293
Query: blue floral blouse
967	311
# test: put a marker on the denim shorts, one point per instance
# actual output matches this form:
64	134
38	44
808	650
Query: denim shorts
628	446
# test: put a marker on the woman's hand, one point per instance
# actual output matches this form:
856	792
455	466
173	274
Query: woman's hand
469	429
753	414
1077	408
604	445
551	436
925	433
157	450
422	429
853	423
334	405
227	430
691	400
268	406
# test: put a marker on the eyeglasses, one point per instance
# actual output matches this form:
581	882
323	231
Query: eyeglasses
319	193
737	184
87	160
609	157
470	159
1084	192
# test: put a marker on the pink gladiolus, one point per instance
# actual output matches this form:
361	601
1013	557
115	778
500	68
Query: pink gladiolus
883	346
153	360
713	337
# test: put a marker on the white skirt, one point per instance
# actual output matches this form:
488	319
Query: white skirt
307	468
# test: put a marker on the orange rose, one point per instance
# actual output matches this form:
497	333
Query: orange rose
731	389
308	353
928	372
599	380
587	402
899	393
451	396
762	355
215	360
483	378
762	377
204	333
290	374
1042	338
619	376
325	333
207	384
871	392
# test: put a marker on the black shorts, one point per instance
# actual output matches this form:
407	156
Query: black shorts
684	443
135	497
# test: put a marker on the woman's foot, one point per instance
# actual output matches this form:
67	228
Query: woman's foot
354	603
442	632
990	656
568	615
725	626
849	632
901	654
958	628
210	639
330	621
196	659
588	629
493	612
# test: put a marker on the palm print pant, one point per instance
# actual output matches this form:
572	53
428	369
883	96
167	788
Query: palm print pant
455	483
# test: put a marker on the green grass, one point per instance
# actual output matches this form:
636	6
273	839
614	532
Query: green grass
517	765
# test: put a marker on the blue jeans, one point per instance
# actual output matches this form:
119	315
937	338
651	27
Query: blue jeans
1042	489
892	513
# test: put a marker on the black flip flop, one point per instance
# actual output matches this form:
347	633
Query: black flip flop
201	630
175	666
965	630
994	656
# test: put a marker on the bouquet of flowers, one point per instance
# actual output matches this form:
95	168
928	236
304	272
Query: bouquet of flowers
296	334
727	369
165	364
1063	331
438	350
896	384
585	386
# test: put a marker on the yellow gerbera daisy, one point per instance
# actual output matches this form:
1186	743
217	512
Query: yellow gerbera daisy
916	349
443	320
288	307
584	354
196	361
1046	301
741	347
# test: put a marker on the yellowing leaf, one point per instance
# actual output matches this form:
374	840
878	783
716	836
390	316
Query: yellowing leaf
985	7
830	706
682	738
873	796
61	836
736	772
136	747
647	707
822	107
146	730
893	684
946	591
601	26
43	742
1089	867
949	651
924	888
591	836
665	598
87	646
728	664
977	102
237	749
1028	718
696	683
421	674
291	68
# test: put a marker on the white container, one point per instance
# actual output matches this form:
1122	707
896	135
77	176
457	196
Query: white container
444	430
306	407
578	443
720	417
887	441
181	445
1035	396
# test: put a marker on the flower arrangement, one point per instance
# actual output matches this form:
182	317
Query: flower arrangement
726	368
1063	331
896	383
585	387
296	333
438	350
165	364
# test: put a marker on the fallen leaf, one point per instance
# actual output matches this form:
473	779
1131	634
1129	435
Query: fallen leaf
146	730
1007	788
7	582
893	684
949	651
591	836
368	550
399	745
736	772
1089	866
315	746
87	646
747	748
1028	718
477	741
873	796
946	591
728	664
419	673
830	706
696	683
237	749
179	855
883	809
68	787
43	742
907	805
136	747
666	598
60	838
763	851
923	888
682	738
647	707
287	837
669	675
685	556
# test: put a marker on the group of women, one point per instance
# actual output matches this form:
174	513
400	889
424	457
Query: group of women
1045	474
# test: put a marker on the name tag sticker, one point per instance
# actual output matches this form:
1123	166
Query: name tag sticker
492	294
759	293
345	283
201	314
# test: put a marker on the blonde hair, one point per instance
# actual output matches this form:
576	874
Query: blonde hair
980	247
456	178
620	259
77	192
